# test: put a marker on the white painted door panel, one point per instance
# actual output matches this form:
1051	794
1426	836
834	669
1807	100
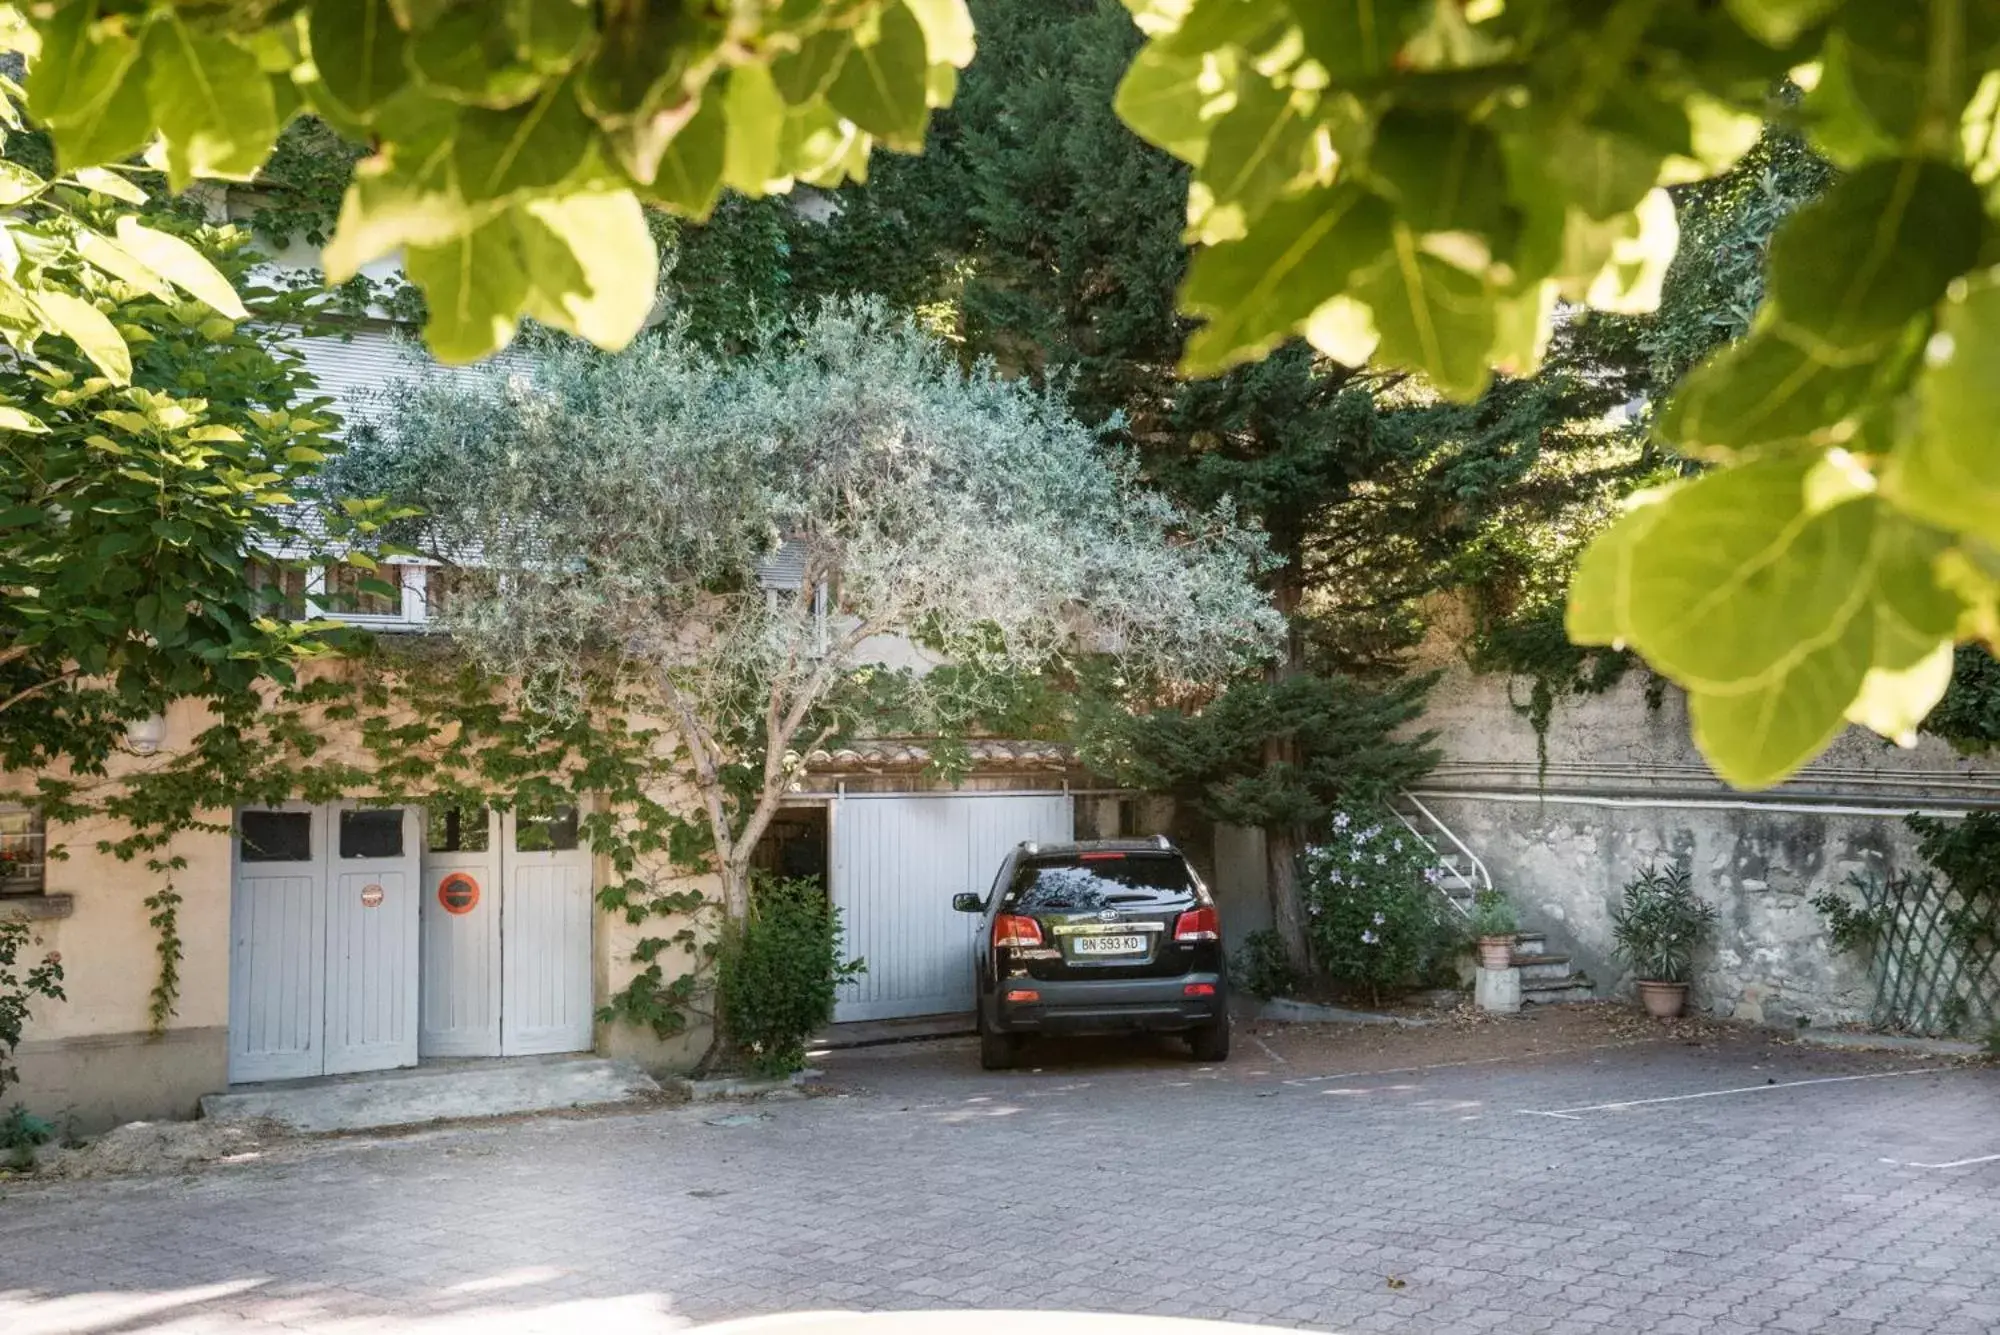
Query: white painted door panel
461	950
371	958
351	963
897	861
546	1003
277	957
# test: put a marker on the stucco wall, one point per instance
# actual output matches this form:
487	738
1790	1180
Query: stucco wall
613	969
93	1055
1624	787
106	943
1240	882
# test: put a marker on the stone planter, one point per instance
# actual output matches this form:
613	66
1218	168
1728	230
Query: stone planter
1496	952
1663	1000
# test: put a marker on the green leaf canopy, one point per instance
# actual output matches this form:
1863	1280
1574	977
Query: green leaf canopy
483	112
1420	181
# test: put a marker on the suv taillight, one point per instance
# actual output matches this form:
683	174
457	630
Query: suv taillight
1012	932
1198	925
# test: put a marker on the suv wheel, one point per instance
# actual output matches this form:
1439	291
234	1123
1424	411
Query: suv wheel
998	1052
1210	1042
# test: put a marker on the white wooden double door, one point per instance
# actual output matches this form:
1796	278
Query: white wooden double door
354	947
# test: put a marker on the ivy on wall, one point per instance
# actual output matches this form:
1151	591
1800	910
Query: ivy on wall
401	724
296	198
1969	715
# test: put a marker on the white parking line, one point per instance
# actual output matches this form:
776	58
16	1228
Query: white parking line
1268	1050
1575	1114
1955	1163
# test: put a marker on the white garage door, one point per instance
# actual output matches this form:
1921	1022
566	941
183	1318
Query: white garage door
323	942
506	936
897	861
545	935
362	938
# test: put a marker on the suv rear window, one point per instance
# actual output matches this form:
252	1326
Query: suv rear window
1082	882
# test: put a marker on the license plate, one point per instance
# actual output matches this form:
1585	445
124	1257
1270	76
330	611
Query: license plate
1108	945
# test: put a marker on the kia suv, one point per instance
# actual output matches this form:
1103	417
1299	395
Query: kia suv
1113	936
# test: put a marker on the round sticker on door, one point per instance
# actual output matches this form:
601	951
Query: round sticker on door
458	893
371	896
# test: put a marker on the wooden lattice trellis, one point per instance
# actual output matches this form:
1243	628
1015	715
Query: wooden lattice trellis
1934	955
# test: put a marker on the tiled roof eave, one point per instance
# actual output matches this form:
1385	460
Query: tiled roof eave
882	755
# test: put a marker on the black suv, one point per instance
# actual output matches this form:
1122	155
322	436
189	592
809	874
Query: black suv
1101	937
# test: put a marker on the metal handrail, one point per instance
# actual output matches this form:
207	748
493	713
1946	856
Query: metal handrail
1479	880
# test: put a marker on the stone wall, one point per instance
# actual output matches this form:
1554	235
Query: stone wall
1564	860
1623	787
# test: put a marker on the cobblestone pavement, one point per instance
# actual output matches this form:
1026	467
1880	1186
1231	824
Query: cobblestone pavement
1721	1188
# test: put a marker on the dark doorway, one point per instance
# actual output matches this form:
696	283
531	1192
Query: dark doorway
795	845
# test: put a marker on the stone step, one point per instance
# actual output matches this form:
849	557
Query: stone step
1551	991
1531	943
1537	965
443	1090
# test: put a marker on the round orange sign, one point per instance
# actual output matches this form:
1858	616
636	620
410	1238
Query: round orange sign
371	896
458	893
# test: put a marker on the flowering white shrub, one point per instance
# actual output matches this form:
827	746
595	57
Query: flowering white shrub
1374	912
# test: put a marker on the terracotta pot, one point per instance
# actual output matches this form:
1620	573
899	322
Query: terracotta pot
1496	952
1663	1000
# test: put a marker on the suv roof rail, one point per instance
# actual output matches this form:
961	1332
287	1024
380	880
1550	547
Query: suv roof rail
1030	847
1164	841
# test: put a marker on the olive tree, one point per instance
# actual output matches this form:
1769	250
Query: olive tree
633	510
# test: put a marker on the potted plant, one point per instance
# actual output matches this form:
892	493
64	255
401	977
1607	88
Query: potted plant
1494	923
1658	927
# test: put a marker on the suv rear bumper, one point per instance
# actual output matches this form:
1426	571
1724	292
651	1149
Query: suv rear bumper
1093	1006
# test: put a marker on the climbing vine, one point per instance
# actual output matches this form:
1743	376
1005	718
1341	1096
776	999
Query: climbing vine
164	905
1517	575
1969	715
298	192
296	198
415	724
1514	575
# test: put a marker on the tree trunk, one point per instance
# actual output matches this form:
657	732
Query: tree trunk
723	1055
1282	843
1281	870
735	889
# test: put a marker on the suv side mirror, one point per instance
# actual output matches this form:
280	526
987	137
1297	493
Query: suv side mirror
966	903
